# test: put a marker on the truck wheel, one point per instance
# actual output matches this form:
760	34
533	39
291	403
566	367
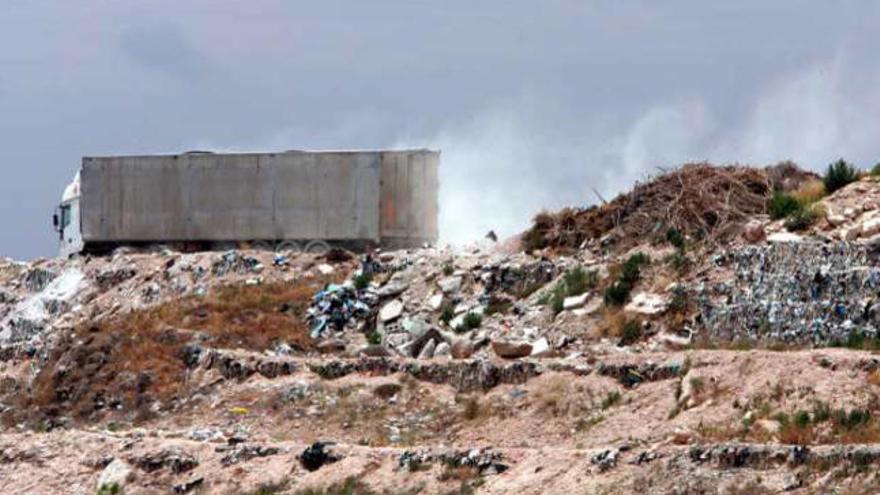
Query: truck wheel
317	247
292	246
262	246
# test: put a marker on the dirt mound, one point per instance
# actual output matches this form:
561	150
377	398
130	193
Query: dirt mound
700	200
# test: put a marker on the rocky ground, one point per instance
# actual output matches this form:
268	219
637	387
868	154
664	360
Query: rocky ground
670	365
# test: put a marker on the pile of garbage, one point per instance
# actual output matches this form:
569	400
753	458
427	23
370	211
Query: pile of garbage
340	307
803	292
433	303
235	262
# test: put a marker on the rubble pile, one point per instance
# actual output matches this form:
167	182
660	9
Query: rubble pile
699	200
46	295
431	303
798	292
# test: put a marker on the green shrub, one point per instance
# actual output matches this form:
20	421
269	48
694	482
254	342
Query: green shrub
802	419
469	322
616	294
851	421
802	219
839	174
631	332
821	412
574	282
577	280
557	299
362	281
448	268
674	237
783	205
447	313
875	171
109	489
374	338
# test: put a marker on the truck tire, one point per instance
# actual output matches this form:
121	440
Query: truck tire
317	247
262	245
292	246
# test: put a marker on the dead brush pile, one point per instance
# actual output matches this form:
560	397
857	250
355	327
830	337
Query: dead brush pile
129	361
699	200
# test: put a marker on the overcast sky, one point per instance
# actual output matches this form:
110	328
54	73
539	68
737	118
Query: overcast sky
533	104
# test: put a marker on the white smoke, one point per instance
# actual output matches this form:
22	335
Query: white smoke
499	169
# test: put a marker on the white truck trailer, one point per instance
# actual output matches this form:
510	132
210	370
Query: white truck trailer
301	200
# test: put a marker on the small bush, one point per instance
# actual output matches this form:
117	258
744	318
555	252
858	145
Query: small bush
374	337
631	332
802	418
362	281
616	294
557	300
801	219
109	489
783	205
447	313
674	237
838	175
821	412
875	171
851	421
631	271
577	280
448	268
469	322
574	282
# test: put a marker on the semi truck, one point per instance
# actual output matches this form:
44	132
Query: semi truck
293	200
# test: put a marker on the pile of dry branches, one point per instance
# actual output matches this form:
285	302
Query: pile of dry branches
699	200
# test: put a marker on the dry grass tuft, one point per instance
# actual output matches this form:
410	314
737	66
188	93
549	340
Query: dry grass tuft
809	192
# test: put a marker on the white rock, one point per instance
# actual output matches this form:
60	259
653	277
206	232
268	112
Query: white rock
450	284
457	321
871	227
461	308
850	234
575	301
673	341
780	237
117	473
647	304
391	310
442	350
436	301
835	220
540	347
325	269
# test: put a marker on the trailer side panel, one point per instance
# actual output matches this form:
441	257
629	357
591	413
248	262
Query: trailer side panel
231	197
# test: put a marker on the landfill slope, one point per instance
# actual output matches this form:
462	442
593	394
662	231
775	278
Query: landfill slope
664	362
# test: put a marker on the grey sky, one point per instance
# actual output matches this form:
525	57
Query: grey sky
533	103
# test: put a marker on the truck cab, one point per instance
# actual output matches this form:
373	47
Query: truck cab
66	220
